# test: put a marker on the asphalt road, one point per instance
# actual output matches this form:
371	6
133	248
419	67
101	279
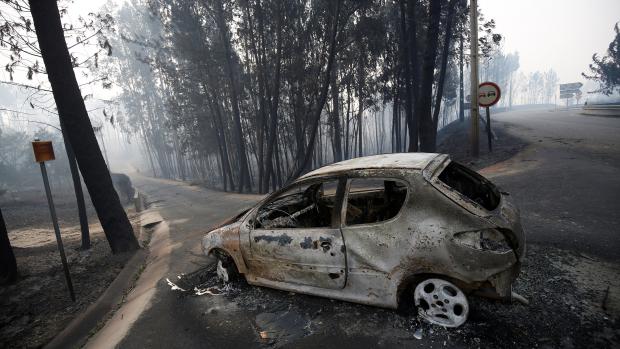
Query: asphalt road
567	183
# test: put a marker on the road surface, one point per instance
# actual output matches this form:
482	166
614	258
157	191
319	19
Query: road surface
567	182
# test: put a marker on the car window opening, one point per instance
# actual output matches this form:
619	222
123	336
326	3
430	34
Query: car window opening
305	206
471	184
373	201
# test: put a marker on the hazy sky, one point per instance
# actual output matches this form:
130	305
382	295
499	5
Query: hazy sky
558	34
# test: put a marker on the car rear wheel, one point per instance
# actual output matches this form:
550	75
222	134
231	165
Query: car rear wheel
441	303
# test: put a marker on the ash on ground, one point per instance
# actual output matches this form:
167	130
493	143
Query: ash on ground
565	310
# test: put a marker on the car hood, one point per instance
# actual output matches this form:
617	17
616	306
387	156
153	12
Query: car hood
232	219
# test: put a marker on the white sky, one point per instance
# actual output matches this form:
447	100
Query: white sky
558	34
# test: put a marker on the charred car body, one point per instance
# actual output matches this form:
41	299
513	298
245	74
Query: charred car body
371	230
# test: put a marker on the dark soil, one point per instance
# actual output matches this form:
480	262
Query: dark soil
28	208
454	140
38	305
564	311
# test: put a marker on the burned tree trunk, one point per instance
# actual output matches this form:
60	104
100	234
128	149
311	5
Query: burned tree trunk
461	89
79	194
335	115
442	73
424	102
274	105
74	117
305	160
407	77
244	174
413	118
360	105
8	265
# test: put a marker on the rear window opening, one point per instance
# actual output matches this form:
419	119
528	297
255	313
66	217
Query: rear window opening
471	184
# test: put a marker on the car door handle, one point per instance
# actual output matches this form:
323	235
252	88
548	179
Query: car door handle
326	245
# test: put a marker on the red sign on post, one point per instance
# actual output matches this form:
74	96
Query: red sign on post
43	151
488	94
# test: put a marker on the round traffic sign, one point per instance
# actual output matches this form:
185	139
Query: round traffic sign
488	94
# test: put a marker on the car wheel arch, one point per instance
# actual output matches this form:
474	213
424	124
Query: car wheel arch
225	255
411	280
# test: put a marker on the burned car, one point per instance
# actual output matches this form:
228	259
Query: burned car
380	230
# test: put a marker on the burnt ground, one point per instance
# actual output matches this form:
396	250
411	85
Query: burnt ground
566	310
27	208
38	306
454	140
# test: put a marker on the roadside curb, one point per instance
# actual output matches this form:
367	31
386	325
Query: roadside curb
77	332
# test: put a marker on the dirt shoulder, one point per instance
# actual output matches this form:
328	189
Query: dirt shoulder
454	140
38	305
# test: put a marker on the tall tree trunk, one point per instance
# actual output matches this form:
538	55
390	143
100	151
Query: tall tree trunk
461	89
360	104
244	175
262	127
413	119
303	163
407	77
347	152
336	115
79	194
396	120
423	106
220	131
274	104
8	265
74	116
510	95
442	74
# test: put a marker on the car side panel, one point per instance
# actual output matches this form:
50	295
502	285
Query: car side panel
432	221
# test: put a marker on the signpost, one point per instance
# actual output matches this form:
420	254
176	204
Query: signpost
572	86
44	151
570	90
488	94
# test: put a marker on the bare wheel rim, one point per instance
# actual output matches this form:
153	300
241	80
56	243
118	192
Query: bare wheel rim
222	272
441	303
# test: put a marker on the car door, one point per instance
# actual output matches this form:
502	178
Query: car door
373	226
295	237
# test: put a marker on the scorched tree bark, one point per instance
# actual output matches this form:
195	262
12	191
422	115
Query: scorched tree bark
8	265
74	117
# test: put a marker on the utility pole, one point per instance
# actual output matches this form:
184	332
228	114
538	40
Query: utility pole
473	33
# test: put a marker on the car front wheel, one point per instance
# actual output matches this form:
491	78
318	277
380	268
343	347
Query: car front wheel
226	270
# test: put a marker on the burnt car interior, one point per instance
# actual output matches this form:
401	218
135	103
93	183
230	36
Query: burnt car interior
304	206
372	200
471	184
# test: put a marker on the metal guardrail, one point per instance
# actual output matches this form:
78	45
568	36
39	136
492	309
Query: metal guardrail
601	110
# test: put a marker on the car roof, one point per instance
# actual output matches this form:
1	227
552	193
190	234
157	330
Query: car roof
412	161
